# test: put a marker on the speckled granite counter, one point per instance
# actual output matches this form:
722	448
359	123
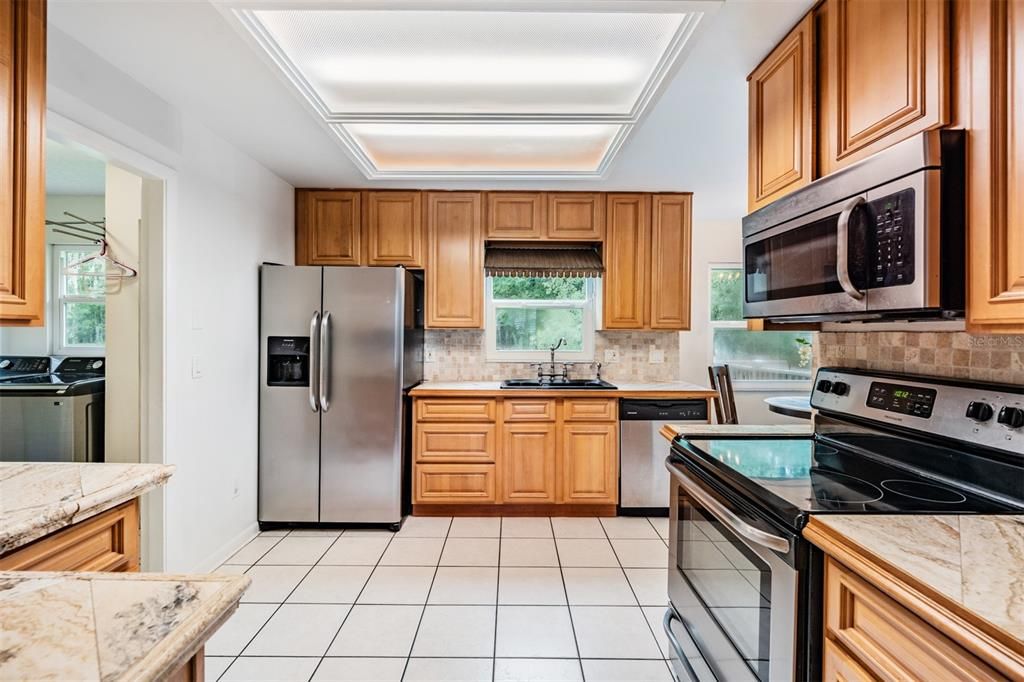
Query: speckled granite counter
975	564
39	498
108	626
699	430
672	389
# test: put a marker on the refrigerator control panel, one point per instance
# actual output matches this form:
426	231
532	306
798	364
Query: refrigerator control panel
288	361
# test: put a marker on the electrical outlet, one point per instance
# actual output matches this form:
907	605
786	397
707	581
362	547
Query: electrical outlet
656	356
197	368
430	356
611	355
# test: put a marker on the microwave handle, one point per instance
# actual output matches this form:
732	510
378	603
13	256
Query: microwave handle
843	249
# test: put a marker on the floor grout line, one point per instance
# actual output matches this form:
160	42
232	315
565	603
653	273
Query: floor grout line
423	611
568	608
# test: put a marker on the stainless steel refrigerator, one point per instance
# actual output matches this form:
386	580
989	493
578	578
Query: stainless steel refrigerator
339	348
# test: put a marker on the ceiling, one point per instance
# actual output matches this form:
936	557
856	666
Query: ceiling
74	170
692	136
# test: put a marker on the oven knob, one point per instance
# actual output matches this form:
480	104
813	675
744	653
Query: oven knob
840	388
97	364
979	411
4	364
1012	417
824	385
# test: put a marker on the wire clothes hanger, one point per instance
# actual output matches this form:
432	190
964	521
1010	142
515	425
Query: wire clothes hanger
120	270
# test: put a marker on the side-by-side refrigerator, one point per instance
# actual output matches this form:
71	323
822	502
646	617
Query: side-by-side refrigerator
339	349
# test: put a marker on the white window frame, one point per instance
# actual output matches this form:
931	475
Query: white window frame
58	301
590	307
745	385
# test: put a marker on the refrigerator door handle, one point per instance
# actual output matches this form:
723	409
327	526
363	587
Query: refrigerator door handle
324	362
314	323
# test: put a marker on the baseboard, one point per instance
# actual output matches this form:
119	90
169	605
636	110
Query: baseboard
513	510
229	548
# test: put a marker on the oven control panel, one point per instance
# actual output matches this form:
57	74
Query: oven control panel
912	400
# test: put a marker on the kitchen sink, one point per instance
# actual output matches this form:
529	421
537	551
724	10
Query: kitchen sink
557	383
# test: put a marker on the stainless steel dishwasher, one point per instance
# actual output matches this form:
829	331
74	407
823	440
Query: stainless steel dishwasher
643	480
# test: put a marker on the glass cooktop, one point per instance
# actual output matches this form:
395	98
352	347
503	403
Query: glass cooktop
798	476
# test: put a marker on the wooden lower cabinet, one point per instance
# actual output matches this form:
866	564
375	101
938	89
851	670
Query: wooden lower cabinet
470	442
840	666
106	542
454	483
590	463
529	462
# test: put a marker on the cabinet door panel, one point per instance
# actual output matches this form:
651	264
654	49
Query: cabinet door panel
670	261
22	177
781	92
992	95
626	257
515	215
455	275
529	458
576	216
590	463
887	75
394	229
329	227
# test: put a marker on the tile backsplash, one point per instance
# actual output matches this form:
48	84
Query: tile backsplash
460	355
955	354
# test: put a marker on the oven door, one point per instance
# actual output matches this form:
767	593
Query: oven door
732	588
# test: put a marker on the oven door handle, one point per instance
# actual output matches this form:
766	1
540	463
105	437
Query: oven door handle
671	615
738	525
843	249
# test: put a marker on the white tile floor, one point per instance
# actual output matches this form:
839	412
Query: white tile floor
473	599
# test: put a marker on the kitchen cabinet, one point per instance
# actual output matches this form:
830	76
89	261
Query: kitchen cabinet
106	542
626	257
590	463
576	216
515	216
990	68
455	442
885	75
394	229
455	248
670	261
529	462
781	120
22	176
454	483
328	227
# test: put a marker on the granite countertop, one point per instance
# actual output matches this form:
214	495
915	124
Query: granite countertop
701	430
974	562
108	626
630	388
38	498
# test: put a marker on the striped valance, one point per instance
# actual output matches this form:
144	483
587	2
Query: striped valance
542	261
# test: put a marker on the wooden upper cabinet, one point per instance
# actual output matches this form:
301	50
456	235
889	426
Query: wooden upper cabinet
886	75
990	48
22	176
515	215
576	216
626	257
329	226
529	459
781	136
394	228
670	261
454	268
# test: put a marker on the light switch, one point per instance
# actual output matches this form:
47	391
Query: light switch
656	356
197	368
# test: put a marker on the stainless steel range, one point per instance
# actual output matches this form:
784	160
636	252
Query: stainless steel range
744	586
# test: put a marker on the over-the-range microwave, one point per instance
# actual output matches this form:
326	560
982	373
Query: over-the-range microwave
880	239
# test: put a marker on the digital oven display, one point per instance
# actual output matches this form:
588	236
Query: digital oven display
912	400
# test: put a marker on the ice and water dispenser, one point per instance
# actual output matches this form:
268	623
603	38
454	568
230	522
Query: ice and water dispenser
288	361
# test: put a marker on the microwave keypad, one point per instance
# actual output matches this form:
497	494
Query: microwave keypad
893	220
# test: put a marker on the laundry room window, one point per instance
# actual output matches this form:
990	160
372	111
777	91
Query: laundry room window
758	360
79	315
528	315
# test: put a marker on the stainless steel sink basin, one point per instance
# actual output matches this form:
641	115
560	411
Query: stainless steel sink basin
556	384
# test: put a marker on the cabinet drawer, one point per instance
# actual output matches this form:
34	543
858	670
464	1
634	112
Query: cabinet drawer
886	639
528	410
589	410
455	442
454	483
106	542
455	409
840	666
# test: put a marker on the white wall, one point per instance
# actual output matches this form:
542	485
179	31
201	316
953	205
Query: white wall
225	215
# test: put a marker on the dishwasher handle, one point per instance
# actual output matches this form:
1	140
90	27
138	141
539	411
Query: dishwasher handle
663	410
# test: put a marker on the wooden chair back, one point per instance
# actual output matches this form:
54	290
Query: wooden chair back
725	403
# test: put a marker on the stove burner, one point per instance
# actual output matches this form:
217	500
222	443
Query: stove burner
836	488
926	492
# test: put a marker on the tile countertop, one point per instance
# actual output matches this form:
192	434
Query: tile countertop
700	430
676	389
108	626
974	563
38	498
